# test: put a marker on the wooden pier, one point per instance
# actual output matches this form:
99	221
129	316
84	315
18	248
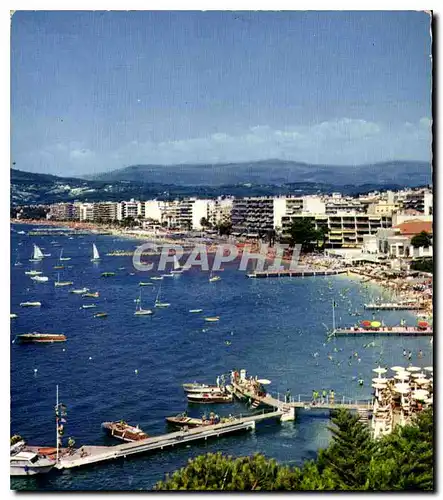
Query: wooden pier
393	307
87	455
407	331
293	274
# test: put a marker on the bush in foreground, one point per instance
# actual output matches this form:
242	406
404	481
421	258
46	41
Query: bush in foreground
402	461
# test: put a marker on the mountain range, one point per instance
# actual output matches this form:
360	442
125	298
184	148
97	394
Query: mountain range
275	172
270	177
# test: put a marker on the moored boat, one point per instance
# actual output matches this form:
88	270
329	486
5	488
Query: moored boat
95	254
123	431
80	291
195	310
30	304
100	315
200	388
93	295
107	274
88	306
41	279
183	420
207	397
33	273
28	463
212	319
36	338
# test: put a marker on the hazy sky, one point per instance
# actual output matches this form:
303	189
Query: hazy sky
94	91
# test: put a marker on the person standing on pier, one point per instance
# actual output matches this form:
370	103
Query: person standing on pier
324	396
218	381
314	396
288	396
409	356
331	396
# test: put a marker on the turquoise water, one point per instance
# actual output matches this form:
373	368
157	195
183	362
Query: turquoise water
277	329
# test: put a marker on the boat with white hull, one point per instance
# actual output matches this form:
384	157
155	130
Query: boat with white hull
28	463
37	256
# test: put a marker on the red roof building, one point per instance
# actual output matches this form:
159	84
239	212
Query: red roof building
413	227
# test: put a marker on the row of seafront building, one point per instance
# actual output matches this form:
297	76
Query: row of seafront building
376	222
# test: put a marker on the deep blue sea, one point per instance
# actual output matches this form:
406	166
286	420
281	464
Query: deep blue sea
277	329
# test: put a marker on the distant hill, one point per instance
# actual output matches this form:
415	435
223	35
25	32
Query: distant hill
274	172
141	183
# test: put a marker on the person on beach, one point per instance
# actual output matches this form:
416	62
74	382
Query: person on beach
331	396
420	354
360	382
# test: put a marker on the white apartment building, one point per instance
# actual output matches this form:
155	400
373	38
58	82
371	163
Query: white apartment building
128	209
87	211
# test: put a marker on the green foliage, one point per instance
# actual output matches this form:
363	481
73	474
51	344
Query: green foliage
423	239
15	439
302	232
224	228
354	461
426	265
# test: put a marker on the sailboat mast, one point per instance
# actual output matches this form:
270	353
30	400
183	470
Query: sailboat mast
56	424
333	315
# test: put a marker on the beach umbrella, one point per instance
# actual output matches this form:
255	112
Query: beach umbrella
379	370
422	381
418	395
365	323
379	386
379	380
402	376
264	381
429	400
413	369
429	368
402	389
418	375
423	324
397	368
375	324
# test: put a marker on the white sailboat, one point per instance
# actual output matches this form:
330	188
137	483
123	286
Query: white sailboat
178	269
213	278
139	311
63	258
158	303
62	283
37	256
95	254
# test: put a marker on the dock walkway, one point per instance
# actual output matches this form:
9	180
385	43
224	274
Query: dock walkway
87	455
294	274
385	306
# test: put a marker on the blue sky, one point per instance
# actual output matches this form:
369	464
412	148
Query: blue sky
95	91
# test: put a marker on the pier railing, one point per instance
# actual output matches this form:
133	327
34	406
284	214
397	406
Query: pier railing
308	400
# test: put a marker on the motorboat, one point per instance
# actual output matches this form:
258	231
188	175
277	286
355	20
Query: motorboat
30	304
195	310
212	319
39	338
40	279
207	397
200	388
93	295
12	316
157	278
29	463
183	420
100	315
123	431
144	283
80	291
107	274
33	273
88	306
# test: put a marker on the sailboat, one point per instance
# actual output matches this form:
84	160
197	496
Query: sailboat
213	278
178	269
37	255
157	299
95	254
63	258
59	264
17	261
62	283
139	311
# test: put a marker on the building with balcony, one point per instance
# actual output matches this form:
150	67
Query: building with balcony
255	216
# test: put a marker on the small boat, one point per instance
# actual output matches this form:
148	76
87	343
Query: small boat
100	315
212	319
95	254
123	431
29	463
63	258
121	268
178	269
80	291
58	267
213	278
87	306
46	255
157	300
17	261
93	295
107	274
33	273
30	304
144	283
157	278
207	397
12	316
37	256
62	283
195	310
167	275
21	232
139	311
200	388
40	338
41	279
183	420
